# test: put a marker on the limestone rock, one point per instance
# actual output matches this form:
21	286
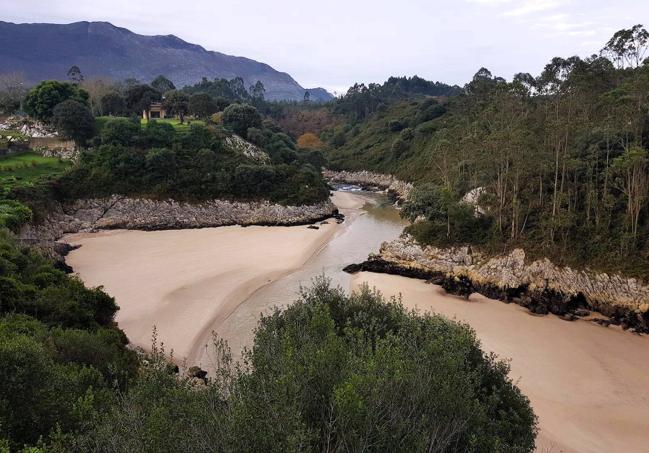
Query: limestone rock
370	180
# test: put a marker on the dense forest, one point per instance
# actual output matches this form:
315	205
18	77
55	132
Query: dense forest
557	163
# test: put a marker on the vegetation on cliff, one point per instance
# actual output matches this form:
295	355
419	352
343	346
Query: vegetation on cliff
557	163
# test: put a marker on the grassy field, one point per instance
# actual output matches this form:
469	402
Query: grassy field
20	170
175	122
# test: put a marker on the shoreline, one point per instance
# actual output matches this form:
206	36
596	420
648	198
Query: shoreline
539	286
187	282
588	385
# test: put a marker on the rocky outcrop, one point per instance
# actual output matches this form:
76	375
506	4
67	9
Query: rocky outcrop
540	285
239	145
119	212
400	190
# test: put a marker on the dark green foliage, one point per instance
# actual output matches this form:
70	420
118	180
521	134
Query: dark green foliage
561	160
13	214
334	373
202	105
221	90
360	101
113	104
240	117
176	103
120	131
140	97
73	120
195	165
61	358
42	99
395	125
446	220
162	84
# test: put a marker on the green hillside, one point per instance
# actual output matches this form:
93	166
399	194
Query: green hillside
560	161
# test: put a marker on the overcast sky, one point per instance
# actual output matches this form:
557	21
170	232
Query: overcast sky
335	43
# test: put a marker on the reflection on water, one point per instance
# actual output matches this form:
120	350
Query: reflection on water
365	230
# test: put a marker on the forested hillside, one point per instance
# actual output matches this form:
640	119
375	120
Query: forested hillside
557	162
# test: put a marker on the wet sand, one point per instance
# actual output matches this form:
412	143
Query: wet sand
185	281
589	385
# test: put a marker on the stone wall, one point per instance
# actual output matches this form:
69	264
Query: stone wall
370	180
540	285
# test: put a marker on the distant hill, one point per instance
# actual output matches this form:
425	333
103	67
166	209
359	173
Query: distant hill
46	51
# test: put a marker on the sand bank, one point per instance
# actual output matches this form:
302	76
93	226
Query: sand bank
589	385
185	281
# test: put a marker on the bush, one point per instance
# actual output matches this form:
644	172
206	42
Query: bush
334	372
240	117
73	120
395	126
42	99
13	214
119	131
113	104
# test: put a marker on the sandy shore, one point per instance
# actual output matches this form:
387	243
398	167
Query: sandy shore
185	281
589	385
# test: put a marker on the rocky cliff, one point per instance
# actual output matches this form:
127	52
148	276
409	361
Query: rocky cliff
370	180
119	212
539	285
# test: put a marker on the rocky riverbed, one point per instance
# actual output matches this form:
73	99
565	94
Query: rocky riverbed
368	180
539	285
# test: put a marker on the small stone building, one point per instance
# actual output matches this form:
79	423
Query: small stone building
156	110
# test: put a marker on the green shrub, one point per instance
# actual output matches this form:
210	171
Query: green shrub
335	372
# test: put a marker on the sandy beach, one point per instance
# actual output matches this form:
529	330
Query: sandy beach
185	281
589	385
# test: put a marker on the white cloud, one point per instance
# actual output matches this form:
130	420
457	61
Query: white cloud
528	7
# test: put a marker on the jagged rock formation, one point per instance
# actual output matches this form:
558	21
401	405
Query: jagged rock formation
540	285
239	145
119	212
370	180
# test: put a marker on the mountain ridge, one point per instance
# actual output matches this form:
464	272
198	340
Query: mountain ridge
46	51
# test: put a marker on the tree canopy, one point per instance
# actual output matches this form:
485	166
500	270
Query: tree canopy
42	99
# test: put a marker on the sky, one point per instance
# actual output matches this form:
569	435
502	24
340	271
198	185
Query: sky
336	43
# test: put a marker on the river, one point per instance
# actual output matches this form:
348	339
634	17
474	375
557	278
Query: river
588	384
370	220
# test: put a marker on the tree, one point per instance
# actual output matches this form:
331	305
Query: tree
42	99
74	120
75	75
309	141
202	105
97	89
113	104
628	47
632	169
257	91
240	117
177	103
120	131
162	84
307	96
140	97
12	91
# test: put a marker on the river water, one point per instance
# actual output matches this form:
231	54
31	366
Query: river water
373	221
